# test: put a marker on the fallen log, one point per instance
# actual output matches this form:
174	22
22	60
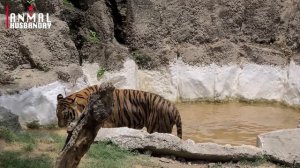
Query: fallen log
81	134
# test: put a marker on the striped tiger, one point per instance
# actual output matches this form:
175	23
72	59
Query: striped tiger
132	108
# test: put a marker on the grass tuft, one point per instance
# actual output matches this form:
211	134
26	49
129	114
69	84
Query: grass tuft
107	155
29	147
255	163
21	137
7	135
19	160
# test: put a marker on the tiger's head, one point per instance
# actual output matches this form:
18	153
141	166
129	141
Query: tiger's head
65	111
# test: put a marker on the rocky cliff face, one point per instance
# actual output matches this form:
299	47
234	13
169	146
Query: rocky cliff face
152	32
203	32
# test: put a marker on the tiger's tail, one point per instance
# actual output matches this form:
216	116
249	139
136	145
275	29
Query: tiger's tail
178	124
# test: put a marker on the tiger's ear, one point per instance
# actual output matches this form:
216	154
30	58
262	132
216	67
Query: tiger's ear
60	97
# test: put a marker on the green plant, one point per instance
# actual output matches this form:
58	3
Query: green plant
67	2
7	135
30	2
254	163
143	61
25	137
217	165
10	136
29	147
100	72
108	155
93	37
59	141
102	154
33	125
21	160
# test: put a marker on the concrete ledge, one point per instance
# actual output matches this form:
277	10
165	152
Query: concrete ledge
282	146
168	144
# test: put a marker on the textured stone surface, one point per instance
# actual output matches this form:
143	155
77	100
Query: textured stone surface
9	120
168	144
155	33
222	32
282	145
43	49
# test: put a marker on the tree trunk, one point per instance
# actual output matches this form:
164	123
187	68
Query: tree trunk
83	132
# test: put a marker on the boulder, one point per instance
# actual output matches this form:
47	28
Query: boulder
282	146
9	120
167	144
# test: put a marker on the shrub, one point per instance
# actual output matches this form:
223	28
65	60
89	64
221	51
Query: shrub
142	60
100	73
33	125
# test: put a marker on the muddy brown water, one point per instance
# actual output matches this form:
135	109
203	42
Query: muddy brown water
234	123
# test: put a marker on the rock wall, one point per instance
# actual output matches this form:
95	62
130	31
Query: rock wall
179	82
154	33
184	50
220	32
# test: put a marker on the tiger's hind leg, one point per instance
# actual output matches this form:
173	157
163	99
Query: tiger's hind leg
164	129
157	124
151	123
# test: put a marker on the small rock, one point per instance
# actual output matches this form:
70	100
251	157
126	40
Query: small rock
50	149
189	163
63	76
47	140
172	157
6	78
47	149
9	120
211	165
181	159
148	152
165	160
26	66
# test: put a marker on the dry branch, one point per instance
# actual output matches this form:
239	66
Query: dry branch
84	131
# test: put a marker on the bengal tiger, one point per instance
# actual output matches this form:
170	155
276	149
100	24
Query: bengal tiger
132	108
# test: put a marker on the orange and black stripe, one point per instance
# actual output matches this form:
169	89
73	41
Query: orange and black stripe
132	108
